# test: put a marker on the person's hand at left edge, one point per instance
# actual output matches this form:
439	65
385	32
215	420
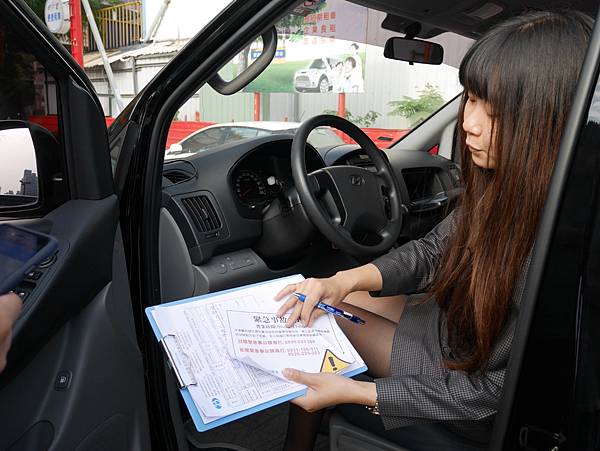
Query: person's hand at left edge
10	308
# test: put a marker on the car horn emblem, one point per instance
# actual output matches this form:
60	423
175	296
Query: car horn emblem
357	180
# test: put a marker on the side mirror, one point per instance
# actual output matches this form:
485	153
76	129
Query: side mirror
413	51
175	149
18	175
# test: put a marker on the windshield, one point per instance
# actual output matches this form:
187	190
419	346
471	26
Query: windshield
318	64
328	61
324	137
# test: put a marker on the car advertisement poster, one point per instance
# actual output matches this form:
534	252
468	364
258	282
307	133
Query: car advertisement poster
316	54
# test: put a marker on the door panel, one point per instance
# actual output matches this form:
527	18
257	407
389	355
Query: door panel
78	323
97	410
75	375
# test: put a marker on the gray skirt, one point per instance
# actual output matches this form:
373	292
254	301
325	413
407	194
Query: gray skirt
420	346
420	341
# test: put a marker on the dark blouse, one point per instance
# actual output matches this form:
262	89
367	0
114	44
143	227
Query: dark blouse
420	389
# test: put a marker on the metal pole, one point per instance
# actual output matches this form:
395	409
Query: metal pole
256	114
157	20
341	104
76	31
107	68
135	76
342	113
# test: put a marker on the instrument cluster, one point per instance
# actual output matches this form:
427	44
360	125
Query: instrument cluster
255	189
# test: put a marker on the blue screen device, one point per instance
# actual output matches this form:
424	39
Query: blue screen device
21	251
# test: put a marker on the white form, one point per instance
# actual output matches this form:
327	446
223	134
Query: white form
262	340
222	385
199	337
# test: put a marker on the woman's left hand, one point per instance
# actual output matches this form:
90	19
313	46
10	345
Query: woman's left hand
327	389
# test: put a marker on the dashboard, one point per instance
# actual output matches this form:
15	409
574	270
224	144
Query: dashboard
222	200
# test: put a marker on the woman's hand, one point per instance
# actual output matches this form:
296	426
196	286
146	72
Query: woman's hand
327	389
10	308
331	290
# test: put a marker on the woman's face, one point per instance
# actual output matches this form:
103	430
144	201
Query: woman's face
477	124
348	66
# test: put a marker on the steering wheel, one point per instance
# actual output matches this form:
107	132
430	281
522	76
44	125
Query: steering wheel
345	203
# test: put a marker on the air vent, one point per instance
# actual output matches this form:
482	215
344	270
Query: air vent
177	176
202	212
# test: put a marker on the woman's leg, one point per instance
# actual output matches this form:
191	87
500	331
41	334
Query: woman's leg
389	307
302	429
372	340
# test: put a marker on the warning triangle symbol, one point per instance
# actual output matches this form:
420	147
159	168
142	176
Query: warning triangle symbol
332	363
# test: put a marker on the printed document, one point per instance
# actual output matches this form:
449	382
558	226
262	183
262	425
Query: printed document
231	348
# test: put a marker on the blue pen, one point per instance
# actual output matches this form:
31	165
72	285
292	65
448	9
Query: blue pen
334	310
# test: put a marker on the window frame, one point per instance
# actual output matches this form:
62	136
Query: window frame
45	202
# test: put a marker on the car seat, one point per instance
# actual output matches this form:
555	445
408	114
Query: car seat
344	436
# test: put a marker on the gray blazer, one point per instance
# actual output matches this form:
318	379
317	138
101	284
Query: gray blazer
420	389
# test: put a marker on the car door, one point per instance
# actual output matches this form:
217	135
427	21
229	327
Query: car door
75	376
551	397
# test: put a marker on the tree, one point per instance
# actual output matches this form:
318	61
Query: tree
38	5
366	120
418	109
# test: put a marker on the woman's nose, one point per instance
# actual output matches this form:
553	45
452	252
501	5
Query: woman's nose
471	125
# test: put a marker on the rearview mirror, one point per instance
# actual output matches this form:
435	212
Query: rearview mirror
413	51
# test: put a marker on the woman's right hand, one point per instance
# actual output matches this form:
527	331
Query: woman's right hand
332	290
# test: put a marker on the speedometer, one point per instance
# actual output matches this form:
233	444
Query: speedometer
250	188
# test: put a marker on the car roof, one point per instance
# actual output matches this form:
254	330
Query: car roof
470	18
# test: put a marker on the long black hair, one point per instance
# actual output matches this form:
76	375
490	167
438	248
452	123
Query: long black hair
526	68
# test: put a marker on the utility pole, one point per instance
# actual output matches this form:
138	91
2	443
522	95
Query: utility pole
107	68
76	31
156	22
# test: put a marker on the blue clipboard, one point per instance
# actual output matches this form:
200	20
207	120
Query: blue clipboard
187	397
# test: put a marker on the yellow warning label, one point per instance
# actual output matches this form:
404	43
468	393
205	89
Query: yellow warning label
332	363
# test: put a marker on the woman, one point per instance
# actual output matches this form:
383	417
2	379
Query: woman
338	78
438	359
352	76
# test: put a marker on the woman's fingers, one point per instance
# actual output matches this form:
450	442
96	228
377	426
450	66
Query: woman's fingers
300	377
295	314
287	306
309	306
316	314
314	290
286	291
